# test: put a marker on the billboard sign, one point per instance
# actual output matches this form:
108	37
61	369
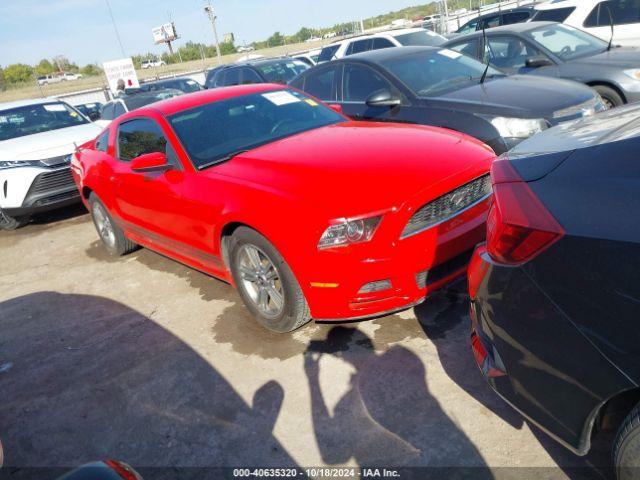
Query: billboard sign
164	33
228	38
120	71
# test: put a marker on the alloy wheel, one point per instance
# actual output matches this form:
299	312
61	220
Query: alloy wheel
261	280
103	225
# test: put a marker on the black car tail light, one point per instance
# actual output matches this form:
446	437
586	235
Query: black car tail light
519	226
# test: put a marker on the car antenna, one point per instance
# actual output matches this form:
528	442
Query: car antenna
611	21
484	49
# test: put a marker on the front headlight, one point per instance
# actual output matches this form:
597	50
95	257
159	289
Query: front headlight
44	163
15	164
633	73
349	231
518	127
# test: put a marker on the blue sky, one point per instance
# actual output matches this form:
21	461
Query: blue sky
82	30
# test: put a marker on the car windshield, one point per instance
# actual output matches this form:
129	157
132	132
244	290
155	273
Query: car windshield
424	38
214	132
140	100
433	72
282	71
31	119
567	42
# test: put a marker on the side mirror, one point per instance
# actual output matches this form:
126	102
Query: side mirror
336	107
537	62
383	98
150	162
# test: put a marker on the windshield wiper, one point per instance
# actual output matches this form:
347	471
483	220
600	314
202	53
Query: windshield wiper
226	158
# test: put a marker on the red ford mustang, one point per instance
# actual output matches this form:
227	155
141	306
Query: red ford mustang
308	214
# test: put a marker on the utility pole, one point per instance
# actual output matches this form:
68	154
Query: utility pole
446	16
115	28
209	11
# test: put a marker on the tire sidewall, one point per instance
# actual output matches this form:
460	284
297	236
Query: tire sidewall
610	95
286	321
93	201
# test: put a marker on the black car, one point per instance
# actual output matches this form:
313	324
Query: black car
559	51
433	86
263	70
133	100
555	291
496	19
186	85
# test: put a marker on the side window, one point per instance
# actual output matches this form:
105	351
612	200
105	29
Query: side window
490	22
360	82
138	137
359	46
320	84
469	48
232	77
554	15
623	12
327	53
380	43
118	110
514	17
102	142
509	53
107	112
472	26
250	76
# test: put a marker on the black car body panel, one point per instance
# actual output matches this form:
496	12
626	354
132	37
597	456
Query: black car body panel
466	108
563	326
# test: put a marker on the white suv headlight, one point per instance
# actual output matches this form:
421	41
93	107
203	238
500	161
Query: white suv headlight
518	127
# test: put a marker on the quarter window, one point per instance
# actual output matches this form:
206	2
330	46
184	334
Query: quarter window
102	142
380	43
623	12
514	17
232	77
139	137
250	76
555	15
359	47
360	82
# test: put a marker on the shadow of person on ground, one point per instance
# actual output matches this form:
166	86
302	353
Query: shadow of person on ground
387	417
92	379
444	318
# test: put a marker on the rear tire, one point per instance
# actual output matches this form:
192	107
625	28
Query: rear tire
626	449
265	282
611	98
12	223
112	236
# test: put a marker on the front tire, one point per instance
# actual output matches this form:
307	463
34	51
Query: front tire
265	282
11	223
610	97
112	236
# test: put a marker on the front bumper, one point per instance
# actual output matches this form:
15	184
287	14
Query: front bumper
416	267
26	190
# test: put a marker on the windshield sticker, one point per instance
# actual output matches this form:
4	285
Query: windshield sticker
449	53
311	102
55	107
73	114
3	119
280	98
16	120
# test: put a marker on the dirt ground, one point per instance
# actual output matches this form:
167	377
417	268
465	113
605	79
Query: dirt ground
144	360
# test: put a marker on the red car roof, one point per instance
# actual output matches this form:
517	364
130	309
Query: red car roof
185	102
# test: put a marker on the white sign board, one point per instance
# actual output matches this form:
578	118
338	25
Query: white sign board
124	70
164	33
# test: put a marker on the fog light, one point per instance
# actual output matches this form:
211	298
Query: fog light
377	286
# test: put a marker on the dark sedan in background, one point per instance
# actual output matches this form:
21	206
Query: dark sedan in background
432	86
559	51
185	85
263	70
555	292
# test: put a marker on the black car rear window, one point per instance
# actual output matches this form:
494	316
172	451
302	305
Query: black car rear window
327	53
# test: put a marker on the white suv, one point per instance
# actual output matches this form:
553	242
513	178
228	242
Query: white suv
405	37
593	16
37	139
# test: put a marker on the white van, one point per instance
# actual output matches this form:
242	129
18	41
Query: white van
593	16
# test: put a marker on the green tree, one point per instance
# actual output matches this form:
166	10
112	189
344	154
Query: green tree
275	40
90	70
18	73
227	48
3	87
44	67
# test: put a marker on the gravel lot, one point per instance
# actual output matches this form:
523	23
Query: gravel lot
147	361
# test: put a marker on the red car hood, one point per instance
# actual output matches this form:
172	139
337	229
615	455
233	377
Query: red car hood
353	168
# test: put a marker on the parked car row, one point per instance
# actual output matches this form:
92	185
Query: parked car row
58	77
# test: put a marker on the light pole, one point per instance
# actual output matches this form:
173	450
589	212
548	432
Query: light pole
115	28
209	11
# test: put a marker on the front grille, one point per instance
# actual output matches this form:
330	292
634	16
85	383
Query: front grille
447	206
52	181
439	272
